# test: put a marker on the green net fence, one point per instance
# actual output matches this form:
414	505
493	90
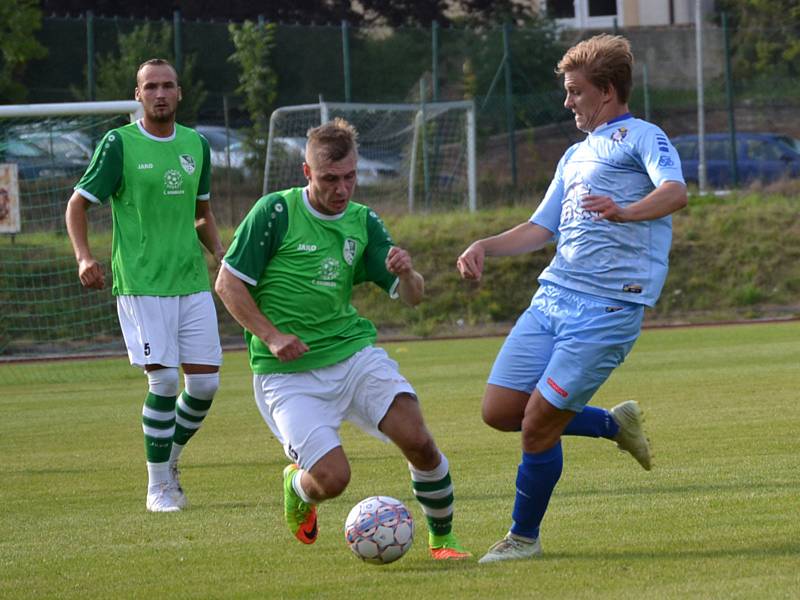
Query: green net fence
44	311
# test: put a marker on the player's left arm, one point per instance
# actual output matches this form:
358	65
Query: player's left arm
667	198
204	222
389	266
411	284
660	160
206	226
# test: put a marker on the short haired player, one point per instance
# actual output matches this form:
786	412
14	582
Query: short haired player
608	210
156	175
287	278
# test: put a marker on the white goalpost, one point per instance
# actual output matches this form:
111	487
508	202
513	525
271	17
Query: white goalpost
415	156
44	312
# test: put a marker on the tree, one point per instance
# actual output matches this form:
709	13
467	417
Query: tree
116	73
258	82
766	36
19	20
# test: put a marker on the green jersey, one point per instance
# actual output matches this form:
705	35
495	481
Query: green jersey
153	184
301	266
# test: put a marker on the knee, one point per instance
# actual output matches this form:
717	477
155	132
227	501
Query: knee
202	386
332	482
536	438
163	382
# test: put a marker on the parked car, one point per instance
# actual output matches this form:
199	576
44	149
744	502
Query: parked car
762	157
33	162
369	171
225	144
71	146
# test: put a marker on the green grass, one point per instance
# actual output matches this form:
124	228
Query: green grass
716	518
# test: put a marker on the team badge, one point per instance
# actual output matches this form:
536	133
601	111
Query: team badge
173	182
349	251
620	134
329	269
187	162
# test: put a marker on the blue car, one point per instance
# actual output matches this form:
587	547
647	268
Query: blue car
764	157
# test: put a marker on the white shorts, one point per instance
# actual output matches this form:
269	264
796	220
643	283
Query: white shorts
170	330
305	410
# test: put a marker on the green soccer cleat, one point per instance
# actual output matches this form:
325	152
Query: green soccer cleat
300	516
446	547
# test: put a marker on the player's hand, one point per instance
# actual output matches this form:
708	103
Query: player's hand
90	272
398	261
603	207
286	347
470	263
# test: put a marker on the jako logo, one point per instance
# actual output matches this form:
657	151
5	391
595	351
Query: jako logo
559	390
306	247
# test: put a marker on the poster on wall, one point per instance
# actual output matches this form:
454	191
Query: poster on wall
9	199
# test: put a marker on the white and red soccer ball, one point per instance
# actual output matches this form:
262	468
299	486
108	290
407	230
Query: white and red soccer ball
379	530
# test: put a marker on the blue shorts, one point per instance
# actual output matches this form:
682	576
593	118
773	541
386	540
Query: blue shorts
566	344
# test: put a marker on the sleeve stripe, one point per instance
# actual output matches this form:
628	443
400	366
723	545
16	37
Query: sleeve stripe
239	274
90	197
393	293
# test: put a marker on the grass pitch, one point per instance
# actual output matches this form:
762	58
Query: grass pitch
716	518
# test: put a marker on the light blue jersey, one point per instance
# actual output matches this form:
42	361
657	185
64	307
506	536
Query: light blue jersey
624	159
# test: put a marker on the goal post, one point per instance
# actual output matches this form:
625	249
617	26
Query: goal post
415	156
45	314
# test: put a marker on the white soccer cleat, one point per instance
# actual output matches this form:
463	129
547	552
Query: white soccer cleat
161	499
630	437
512	547
175	486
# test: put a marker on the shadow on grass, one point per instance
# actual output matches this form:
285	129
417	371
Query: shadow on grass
757	552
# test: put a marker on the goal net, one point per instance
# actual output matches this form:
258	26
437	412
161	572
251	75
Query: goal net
44	311
411	156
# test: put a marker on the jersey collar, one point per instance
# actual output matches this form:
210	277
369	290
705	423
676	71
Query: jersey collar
145	133
318	214
618	119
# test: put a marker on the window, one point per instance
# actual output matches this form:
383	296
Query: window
561	9
762	150
718	150
602	8
584	13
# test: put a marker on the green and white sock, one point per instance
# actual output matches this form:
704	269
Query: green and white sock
158	425
434	491
190	413
193	405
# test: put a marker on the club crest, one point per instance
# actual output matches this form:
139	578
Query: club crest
187	162
619	134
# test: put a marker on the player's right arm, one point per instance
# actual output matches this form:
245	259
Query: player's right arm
239	302
90	272
257	239
101	179
525	237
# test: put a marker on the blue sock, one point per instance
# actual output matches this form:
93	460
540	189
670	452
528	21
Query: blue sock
593	422
537	475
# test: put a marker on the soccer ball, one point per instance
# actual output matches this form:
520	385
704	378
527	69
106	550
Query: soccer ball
379	530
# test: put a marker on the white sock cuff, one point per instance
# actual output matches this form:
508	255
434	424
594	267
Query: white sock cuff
202	386
436	474
163	382
298	487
